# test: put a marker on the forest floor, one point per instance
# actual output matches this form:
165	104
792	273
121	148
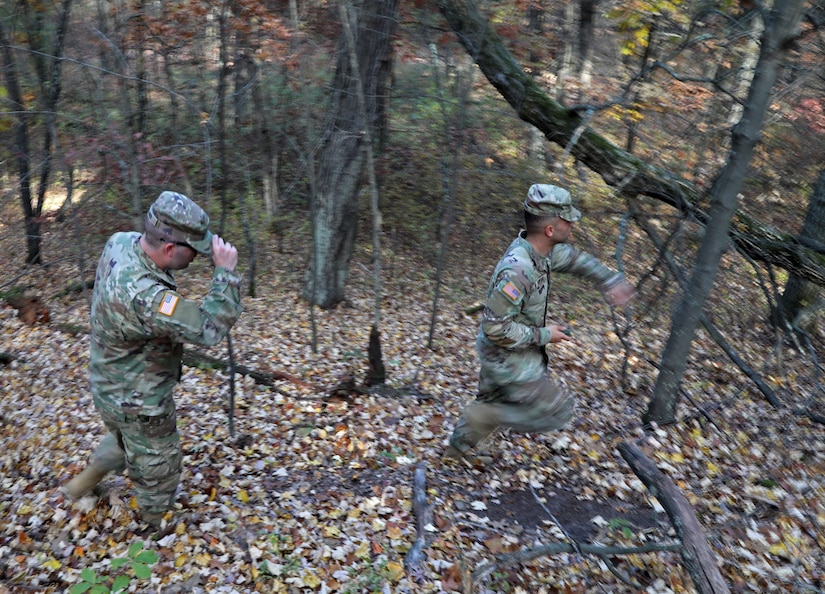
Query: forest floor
314	490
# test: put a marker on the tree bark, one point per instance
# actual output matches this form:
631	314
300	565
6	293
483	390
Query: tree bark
617	167
587	27
798	292
223	75
781	26
342	161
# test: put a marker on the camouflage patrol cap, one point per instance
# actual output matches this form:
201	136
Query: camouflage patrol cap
545	200
175	217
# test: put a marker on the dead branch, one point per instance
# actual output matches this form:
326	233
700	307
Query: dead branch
769	394
509	559
76	287
706	323
697	555
196	359
414	557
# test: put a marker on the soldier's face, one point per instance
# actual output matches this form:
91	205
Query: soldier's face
181	257
562	230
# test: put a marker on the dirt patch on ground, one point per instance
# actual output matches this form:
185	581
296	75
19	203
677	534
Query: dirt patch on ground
573	513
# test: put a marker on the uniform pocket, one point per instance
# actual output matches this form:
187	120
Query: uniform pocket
159	426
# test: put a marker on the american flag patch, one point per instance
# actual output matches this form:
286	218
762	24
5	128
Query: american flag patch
168	304
511	291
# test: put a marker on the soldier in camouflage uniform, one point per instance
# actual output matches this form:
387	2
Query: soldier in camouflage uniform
139	324
515	389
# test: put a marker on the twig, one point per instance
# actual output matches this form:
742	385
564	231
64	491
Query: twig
75	287
576	545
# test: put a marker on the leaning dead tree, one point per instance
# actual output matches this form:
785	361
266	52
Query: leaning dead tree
619	169
697	555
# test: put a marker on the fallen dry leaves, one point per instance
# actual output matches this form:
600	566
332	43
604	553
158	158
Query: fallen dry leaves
314	494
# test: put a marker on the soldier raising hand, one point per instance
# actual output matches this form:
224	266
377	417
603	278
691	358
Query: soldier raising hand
139	324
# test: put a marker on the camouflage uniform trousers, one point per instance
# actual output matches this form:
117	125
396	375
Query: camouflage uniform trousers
538	406
149	447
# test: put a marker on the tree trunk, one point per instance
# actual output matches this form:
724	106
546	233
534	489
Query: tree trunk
21	142
781	27
798	292
747	68
535	16
617	167
47	66
342	160
587	27
50	89
565	61
223	75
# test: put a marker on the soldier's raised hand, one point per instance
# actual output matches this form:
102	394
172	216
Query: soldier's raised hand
620	294
224	253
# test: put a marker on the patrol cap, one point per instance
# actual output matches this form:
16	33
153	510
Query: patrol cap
544	200
175	217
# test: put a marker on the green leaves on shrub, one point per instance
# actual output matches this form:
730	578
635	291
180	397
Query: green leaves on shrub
138	560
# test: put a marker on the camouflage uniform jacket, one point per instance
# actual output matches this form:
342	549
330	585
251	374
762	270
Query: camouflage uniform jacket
139	323
512	335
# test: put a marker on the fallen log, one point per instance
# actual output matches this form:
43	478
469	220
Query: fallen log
697	555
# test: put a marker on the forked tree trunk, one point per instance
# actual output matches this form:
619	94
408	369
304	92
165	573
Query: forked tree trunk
342	160
49	77
21	147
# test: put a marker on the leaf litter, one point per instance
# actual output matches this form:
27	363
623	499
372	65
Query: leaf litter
314	493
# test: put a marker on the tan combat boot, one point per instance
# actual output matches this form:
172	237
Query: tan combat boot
108	457
154	519
453	455
87	480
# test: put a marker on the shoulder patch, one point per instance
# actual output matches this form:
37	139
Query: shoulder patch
510	291
168	304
